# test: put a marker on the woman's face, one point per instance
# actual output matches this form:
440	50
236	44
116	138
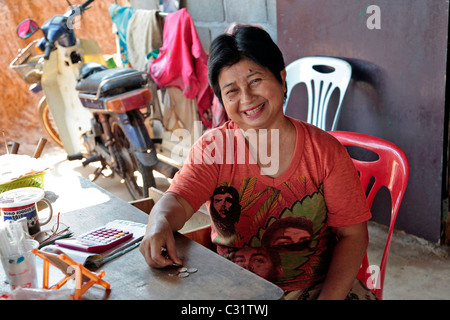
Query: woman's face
252	96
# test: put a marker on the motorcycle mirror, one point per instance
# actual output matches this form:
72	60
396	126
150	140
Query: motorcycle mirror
27	28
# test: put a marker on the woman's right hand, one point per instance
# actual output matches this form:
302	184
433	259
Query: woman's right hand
158	245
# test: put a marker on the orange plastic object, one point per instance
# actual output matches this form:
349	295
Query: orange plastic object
390	170
84	278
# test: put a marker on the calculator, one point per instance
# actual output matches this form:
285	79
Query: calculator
96	241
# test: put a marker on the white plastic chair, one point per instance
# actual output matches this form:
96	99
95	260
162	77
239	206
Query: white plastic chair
320	85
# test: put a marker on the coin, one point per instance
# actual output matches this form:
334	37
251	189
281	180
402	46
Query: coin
182	269
173	274
192	270
183	274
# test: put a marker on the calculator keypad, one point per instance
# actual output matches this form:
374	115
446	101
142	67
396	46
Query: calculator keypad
104	236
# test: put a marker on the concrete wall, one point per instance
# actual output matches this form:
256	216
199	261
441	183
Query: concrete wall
212	17
397	91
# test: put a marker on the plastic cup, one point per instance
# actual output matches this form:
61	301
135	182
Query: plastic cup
20	270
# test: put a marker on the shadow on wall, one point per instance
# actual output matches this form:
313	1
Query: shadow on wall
367	77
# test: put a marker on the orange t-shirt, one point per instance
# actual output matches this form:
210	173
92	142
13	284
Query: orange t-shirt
279	228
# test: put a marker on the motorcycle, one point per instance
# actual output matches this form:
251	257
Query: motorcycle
92	111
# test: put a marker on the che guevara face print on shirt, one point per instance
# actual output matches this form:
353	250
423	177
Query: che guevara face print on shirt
269	231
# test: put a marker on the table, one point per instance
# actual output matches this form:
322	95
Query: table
129	275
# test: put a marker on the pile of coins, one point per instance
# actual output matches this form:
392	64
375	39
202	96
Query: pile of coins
183	272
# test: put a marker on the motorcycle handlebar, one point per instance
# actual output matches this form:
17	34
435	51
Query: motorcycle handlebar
85	4
48	50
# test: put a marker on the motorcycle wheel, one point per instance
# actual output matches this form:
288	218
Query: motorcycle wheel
47	122
137	177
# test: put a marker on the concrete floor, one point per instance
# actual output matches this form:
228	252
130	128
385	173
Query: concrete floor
417	269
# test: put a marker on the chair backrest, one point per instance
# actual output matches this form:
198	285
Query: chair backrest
321	75
391	170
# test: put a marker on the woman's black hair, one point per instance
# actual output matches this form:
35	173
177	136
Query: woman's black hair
247	41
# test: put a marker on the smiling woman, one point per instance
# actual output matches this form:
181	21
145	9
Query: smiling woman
302	227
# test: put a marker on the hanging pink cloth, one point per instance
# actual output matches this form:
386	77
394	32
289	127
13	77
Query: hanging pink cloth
182	62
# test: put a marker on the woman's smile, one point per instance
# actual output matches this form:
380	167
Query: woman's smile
254	112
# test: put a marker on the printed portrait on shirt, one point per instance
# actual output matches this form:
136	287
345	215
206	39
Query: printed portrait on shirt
225	209
288	232
264	262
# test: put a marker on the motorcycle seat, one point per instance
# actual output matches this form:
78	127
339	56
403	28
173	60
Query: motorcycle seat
127	79
91	67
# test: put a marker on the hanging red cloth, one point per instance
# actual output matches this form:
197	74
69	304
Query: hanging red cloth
182	62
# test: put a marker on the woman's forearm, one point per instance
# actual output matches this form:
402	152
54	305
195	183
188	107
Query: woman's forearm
347	257
171	208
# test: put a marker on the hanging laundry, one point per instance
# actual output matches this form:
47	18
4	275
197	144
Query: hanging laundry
182	63
219	114
120	17
144	34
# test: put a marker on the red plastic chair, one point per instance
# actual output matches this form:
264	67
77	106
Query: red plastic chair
391	170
